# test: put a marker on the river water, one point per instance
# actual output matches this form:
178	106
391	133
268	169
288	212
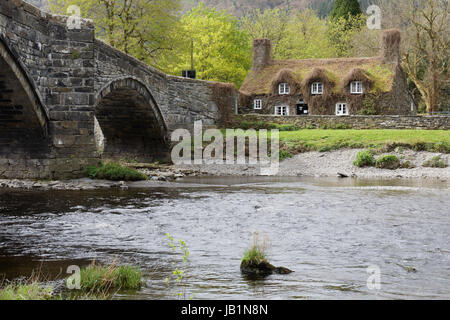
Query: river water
328	231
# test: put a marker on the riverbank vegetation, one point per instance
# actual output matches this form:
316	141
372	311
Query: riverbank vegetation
364	159
435	162
390	161
97	282
26	291
114	172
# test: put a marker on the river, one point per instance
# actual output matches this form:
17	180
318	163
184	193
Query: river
328	231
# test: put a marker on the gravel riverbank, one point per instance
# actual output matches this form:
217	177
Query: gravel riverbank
330	164
310	164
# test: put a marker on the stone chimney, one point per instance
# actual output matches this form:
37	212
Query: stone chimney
261	53
390	46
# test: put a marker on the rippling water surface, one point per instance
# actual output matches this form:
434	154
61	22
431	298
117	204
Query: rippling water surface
327	231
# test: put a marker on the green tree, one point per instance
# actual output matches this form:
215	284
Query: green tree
342	31
145	29
306	37
294	35
222	51
267	24
345	9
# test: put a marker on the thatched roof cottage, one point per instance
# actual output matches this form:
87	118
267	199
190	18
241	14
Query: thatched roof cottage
341	86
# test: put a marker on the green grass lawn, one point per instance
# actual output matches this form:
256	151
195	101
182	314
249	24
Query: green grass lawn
326	140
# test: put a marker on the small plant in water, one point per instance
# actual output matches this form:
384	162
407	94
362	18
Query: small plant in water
97	279
178	274
255	262
257	253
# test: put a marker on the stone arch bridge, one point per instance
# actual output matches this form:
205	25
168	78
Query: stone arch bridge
67	98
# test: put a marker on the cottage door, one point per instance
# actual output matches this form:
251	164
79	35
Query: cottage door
302	108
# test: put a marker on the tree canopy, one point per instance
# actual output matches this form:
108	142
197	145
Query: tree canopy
145	29
222	51
346	9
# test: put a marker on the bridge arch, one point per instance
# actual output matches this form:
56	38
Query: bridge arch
129	123
23	118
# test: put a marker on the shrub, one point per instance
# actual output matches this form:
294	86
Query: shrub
341	126
115	172
257	125
100	279
288	127
369	106
435	162
443	147
388	162
283	154
364	159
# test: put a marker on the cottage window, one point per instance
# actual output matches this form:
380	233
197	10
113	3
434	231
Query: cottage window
356	87
341	109
284	88
281	111
257	104
317	88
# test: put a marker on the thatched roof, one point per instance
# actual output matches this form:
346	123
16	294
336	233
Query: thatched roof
357	74
260	82
284	76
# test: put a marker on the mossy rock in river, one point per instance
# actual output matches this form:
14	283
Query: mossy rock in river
261	269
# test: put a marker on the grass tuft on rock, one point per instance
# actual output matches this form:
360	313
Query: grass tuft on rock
257	253
114	172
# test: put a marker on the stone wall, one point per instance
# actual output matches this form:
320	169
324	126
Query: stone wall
56	65
181	100
357	122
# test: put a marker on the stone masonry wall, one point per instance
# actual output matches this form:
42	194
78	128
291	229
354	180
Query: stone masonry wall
357	122
181	100
59	64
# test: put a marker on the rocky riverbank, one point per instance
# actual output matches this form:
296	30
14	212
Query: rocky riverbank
160	176
310	164
337	163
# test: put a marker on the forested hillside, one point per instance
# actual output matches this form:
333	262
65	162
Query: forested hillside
238	8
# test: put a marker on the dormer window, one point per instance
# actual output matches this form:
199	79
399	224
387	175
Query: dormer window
317	88
257	104
284	88
356	87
